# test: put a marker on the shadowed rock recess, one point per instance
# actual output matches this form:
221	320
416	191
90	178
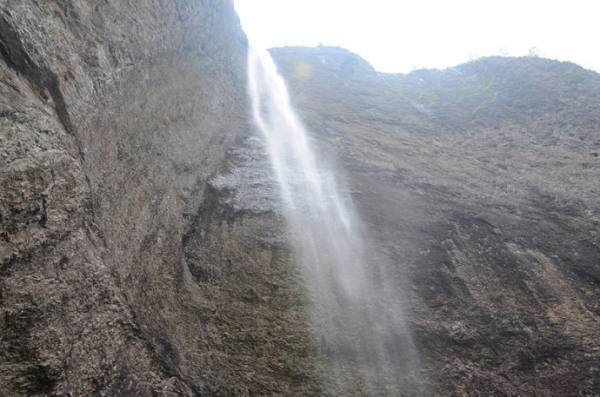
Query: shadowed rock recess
142	246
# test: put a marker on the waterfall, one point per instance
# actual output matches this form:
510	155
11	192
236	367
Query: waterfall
357	320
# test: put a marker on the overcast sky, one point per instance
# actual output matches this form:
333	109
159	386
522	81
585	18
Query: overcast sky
403	35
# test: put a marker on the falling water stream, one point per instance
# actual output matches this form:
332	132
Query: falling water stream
356	317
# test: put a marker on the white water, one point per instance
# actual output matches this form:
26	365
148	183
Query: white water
357	319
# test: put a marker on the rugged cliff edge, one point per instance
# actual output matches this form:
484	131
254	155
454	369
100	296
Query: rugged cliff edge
142	250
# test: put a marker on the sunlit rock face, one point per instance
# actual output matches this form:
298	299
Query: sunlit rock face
480	185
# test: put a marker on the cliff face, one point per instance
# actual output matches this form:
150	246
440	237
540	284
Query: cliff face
479	183
112	117
142	250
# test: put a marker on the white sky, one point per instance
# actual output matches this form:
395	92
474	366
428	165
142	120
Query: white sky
403	35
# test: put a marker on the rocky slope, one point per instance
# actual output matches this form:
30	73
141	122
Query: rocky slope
142	250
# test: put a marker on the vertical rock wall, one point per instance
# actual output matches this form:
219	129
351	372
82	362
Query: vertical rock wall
112	117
